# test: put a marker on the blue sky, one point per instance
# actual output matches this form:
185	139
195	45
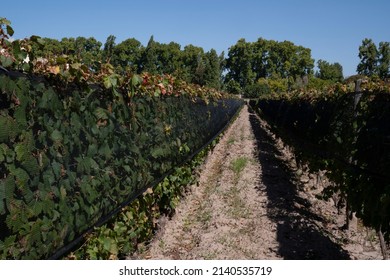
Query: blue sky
332	29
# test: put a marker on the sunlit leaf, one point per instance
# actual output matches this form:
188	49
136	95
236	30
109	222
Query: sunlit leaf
10	30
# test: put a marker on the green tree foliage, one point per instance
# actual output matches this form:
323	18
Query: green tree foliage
368	54
68	46
384	60
256	90
276	83
150	57
374	60
213	71
49	49
87	50
192	63
247	62
233	87
109	46
169	58
329	71
240	63
127	55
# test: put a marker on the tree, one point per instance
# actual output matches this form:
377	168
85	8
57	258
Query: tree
109	48
239	63
127	55
328	71
169	58
68	46
149	60
88	50
213	71
248	62
368	55
193	64
384	60
304	63
50	48
233	87
260	58
258	89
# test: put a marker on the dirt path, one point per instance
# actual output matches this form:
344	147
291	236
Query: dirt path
253	202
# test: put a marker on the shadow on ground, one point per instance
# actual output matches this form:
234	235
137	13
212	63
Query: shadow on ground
298	234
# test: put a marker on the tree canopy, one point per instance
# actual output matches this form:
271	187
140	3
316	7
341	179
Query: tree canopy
277	65
374	60
247	62
329	71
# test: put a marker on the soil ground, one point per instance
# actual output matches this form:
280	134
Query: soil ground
252	201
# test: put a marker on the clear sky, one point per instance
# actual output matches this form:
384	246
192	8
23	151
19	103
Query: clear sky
332	29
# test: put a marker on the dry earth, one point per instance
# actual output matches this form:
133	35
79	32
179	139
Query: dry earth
253	202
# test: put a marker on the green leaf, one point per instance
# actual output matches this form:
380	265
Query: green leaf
10	30
21	151
6	61
76	66
56	136
110	81
21	176
20	117
106	243
136	80
56	169
105	151
127	168
63	192
31	165
101	113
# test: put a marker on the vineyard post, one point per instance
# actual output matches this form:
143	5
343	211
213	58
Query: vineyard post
356	98
382	243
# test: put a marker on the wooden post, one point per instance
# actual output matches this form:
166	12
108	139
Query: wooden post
382	243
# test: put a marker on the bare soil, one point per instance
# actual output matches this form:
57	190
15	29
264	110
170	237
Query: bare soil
252	201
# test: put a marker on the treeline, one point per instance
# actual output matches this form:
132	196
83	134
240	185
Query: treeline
281	63
191	63
250	68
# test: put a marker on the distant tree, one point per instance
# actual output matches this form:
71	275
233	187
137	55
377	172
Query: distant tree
193	64
127	55
260	62
88	50
384	60
256	90
169	58
303	63
68	46
50	48
212	74
248	62
329	71
240	63
368	55
149	59
108	49
233	87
